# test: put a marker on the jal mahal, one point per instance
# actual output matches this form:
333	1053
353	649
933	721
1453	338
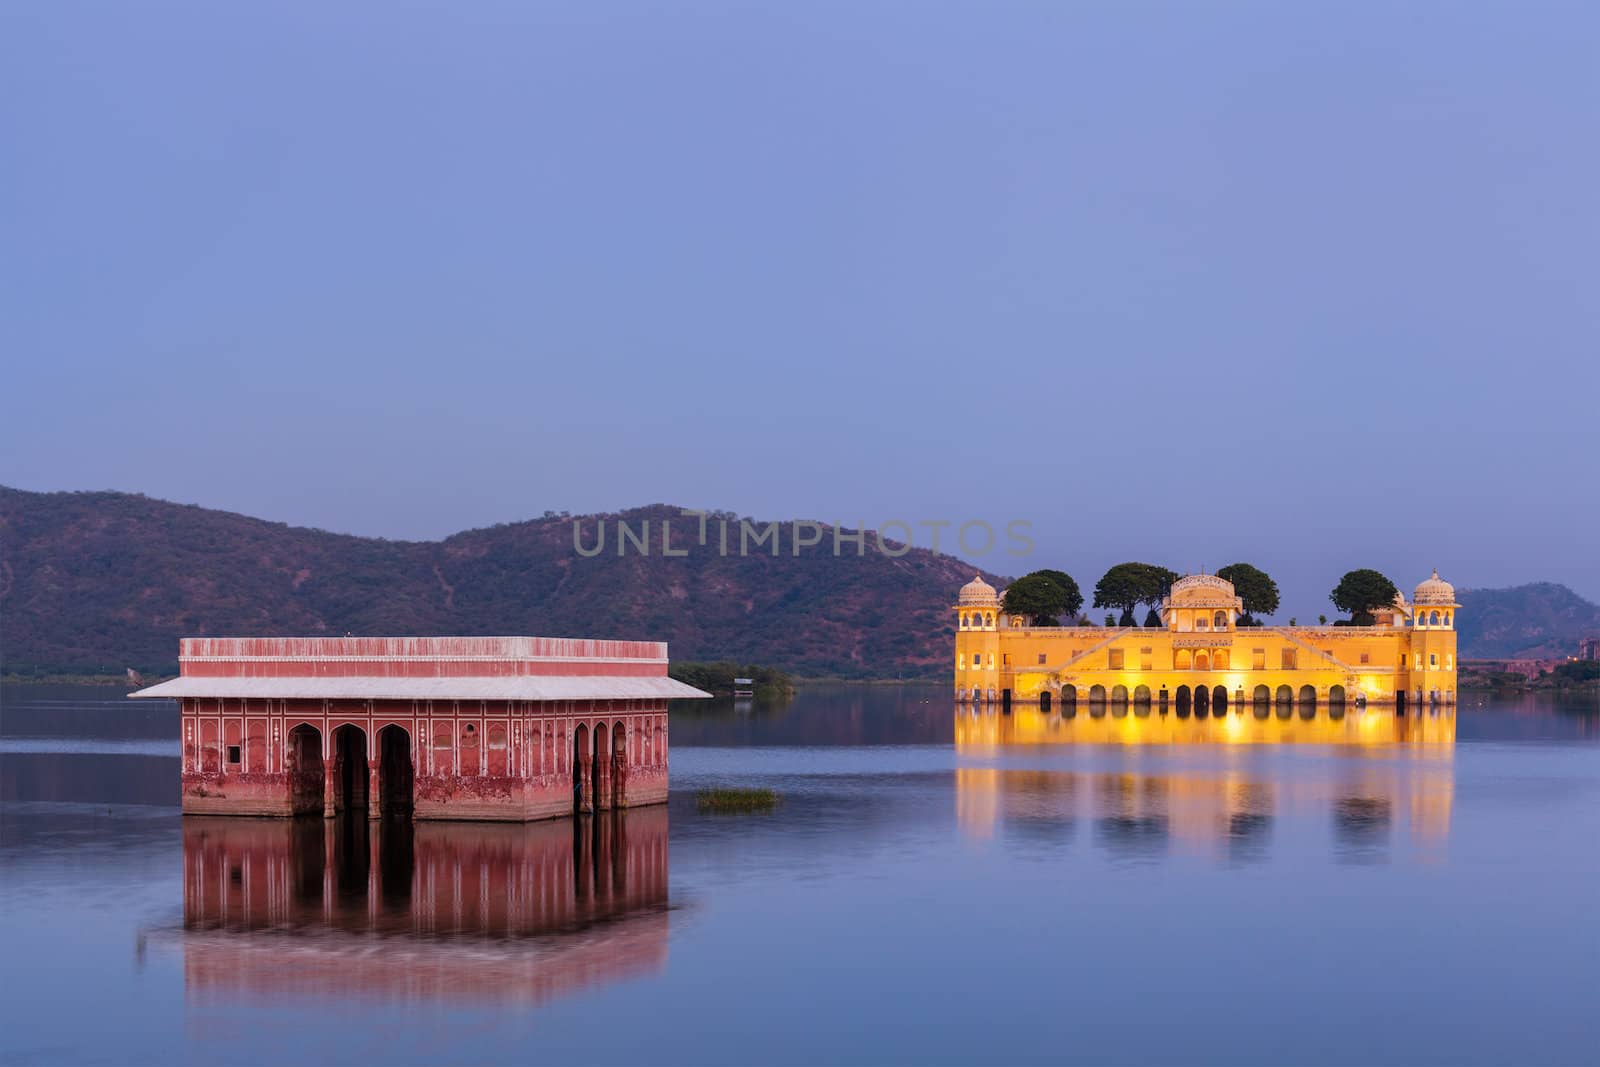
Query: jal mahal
1201	657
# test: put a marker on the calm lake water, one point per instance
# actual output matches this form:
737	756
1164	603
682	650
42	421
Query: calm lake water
936	886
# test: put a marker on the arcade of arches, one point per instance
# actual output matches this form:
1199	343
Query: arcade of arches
525	762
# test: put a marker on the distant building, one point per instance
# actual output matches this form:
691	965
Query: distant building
503	728
1589	647
1201	657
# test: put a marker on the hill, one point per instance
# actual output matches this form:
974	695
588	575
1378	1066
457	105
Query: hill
97	582
1537	621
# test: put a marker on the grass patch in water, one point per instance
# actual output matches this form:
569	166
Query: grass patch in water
736	800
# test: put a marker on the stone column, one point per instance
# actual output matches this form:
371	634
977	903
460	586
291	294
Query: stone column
619	779
330	791
374	790
585	784
602	782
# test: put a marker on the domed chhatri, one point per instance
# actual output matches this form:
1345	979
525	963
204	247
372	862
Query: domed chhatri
1435	590
978	594
1201	654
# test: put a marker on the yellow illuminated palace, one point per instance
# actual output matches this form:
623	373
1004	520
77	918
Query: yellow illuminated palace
1201	657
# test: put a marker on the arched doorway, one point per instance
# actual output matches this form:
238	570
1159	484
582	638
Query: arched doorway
1308	697
395	771
1141	695
1219	700
349	768
1044	701
303	761
1336	694
1097	694
602	767
1181	700
1202	701
580	763
1262	695
1069	698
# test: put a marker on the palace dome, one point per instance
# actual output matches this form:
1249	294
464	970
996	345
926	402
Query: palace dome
1201	589
978	593
1434	590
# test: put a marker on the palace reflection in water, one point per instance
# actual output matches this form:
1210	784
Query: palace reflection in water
1390	779
456	910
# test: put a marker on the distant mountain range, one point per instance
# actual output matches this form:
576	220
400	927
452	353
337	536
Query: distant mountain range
1542	620
98	582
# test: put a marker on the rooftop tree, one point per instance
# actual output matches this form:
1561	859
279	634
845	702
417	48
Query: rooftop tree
1254	586
1127	585
1361	593
1042	597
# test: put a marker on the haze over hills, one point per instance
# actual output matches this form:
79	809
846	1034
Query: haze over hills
100	581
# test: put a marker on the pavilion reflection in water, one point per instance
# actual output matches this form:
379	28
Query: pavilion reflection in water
1228	804
394	910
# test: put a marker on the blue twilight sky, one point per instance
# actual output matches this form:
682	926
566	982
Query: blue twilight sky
1308	285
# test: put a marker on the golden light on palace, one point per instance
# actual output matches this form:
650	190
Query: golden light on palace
1407	658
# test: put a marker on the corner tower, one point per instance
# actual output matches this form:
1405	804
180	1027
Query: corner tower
1433	643
977	611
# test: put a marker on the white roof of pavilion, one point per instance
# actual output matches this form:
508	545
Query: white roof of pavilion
515	687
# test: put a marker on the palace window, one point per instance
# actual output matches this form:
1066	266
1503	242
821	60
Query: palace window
233	753
1005	659
1258	659
1180	659
1287	662
1449	663
1116	659
1433	659
1041	657
1219	660
1145	659
991	661
1200	622
977	659
1366	657
1221	621
1202	661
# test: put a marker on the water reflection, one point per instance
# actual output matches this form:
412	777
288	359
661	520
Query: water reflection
1399	788
458	910
1260	725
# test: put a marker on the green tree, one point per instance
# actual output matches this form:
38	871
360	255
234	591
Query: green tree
1362	592
1254	586
1153	619
1042	597
1127	585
